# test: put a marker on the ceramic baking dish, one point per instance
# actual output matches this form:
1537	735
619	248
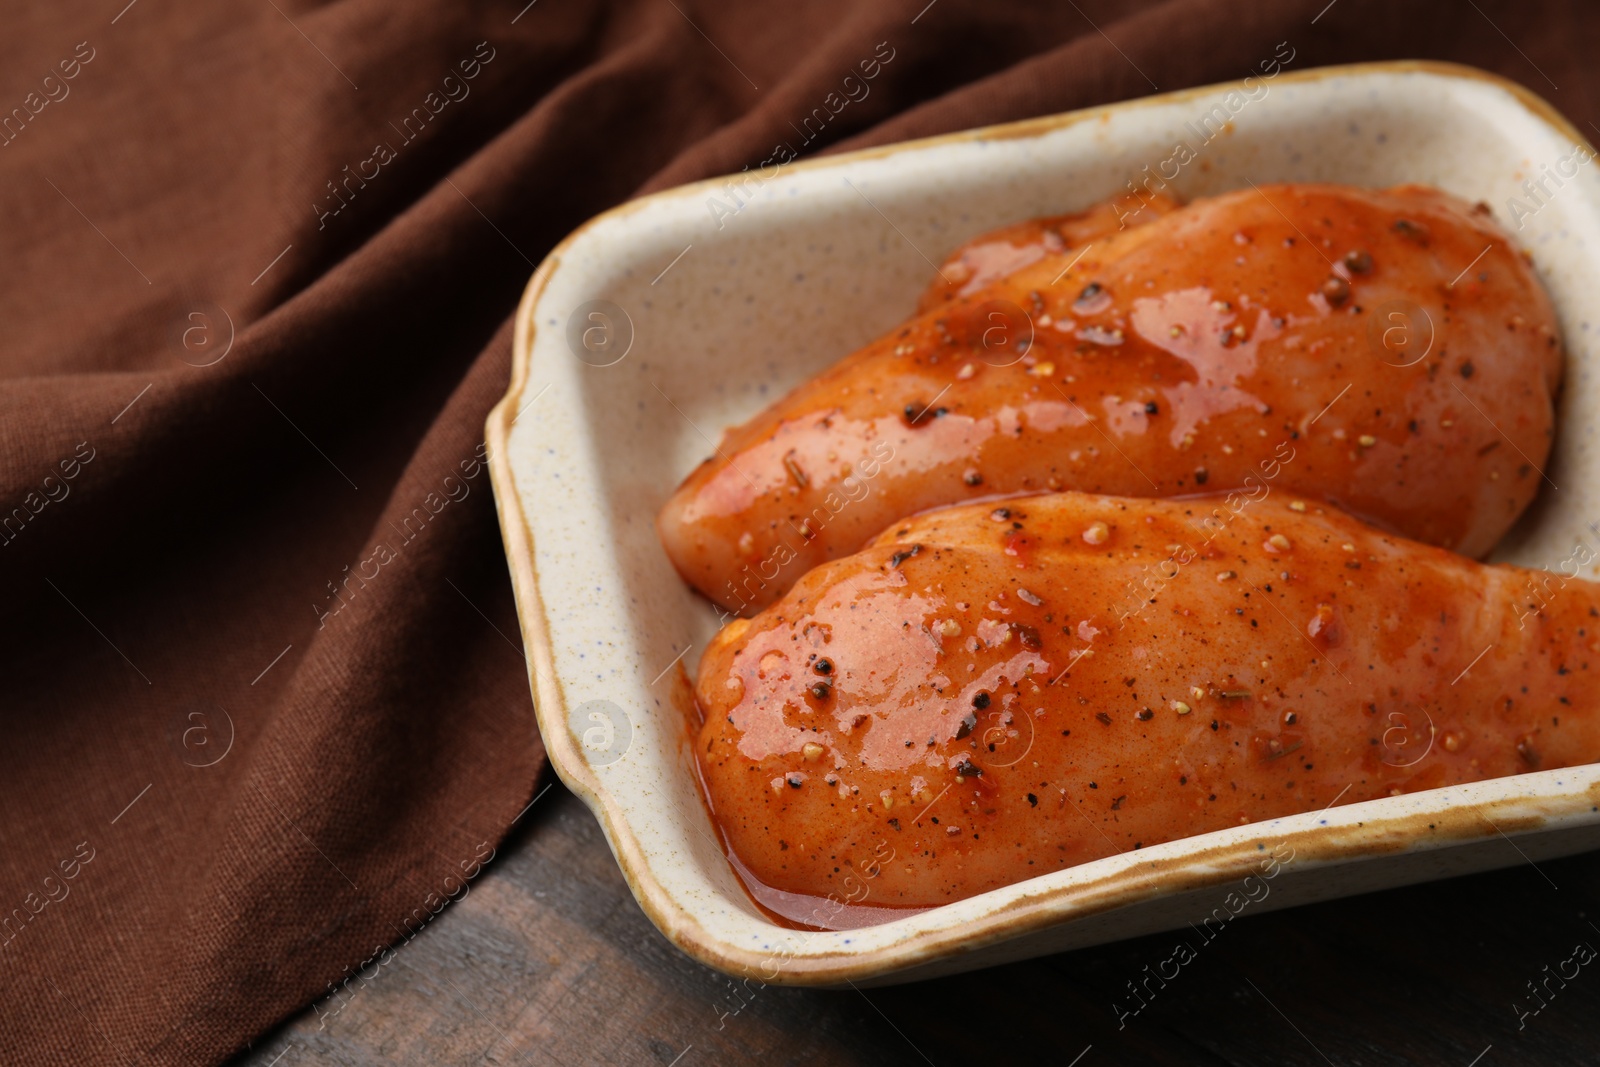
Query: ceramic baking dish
660	323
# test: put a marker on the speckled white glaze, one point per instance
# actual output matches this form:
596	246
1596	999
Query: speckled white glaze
725	309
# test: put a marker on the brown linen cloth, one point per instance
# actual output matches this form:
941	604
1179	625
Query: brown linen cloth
264	701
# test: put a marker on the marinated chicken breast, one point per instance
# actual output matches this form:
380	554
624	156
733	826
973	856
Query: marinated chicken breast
1394	339
999	254
993	692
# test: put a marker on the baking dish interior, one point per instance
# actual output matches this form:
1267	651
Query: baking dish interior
716	298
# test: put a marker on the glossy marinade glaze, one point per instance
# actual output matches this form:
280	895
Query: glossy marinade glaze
992	256
989	693
1395	340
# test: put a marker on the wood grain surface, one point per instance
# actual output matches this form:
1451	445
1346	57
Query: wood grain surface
548	960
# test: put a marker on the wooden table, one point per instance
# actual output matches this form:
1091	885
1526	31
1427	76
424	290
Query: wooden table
549	961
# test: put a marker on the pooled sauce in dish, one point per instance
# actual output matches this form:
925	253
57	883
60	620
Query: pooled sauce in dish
1395	337
1017	674
993	692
